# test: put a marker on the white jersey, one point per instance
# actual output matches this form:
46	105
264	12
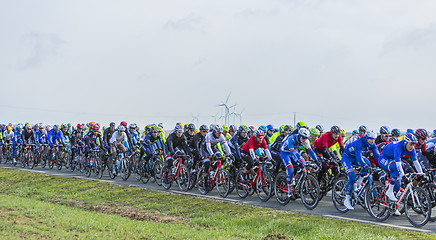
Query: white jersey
8	136
117	138
211	141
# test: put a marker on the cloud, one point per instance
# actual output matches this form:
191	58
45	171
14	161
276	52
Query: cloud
41	48
191	22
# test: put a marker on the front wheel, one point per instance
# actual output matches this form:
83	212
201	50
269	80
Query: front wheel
167	178
281	188
377	203
183	178
264	186
158	167
418	207
125	169
309	191
243	185
338	194
223	183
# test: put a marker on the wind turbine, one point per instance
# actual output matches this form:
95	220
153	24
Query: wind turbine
239	115
195	118
226	109
214	117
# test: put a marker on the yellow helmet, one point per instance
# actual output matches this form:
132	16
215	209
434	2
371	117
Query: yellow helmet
179	123
9	128
195	131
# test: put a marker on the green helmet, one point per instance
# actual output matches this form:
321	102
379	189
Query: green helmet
286	128
300	125
342	132
225	128
314	132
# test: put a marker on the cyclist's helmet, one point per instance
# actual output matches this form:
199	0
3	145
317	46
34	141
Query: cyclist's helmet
185	127
342	132
191	126
393	139
355	132
335	129
421	133
395	132
243	129
362	128
251	129
218	129
121	128
320	128
132	126
9	128
269	127
160	125
56	127
204	128
112	124
304	133
288	128
301	125
27	127
260	134
178	128
36	126
371	134
385	130
314	132
147	127
410	131
154	129
233	128
41	126
124	124
263	128
95	126
225	128
410	137
79	126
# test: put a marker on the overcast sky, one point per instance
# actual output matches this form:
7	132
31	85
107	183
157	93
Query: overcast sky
332	62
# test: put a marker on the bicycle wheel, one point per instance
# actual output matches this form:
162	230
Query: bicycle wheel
338	194
158	166
201	182
167	178
223	183
98	167
125	169
377	203
264	186
31	161
432	195
192	179
51	162
309	191
110	169
418	207
243	186
87	167
43	158
182	178
281	188
146	171
59	160
23	159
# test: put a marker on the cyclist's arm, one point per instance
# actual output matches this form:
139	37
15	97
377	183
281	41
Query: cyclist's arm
416	163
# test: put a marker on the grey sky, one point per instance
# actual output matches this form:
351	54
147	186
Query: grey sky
333	62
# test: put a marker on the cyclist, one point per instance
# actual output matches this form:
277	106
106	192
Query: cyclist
54	136
28	137
119	141
250	132
362	130
107	135
236	142
16	141
152	144
285	130
249	148
384	135
77	139
270	130
290	156
176	142
93	139
189	134
196	142
226	133
322	145
391	154
395	133
278	133
209	148
232	130
66	133
133	135
8	135
320	129
354	155
41	135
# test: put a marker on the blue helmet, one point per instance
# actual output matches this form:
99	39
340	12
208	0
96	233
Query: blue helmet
385	130
410	131
362	128
410	137
263	128
320	128
269	126
355	132
395	132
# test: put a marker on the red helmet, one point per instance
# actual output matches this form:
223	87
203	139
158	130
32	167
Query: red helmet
95	126
79	126
260	134
124	124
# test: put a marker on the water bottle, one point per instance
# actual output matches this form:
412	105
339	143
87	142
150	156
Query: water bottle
212	173
91	162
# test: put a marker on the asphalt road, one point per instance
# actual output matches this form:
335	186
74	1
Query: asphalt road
325	207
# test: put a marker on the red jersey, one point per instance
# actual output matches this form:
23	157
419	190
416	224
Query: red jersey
326	140
253	144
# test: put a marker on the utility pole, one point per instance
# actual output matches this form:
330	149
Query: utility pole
295	117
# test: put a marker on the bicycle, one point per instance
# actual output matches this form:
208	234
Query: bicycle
359	193
28	157
428	184
306	186
95	163
216	176
333	173
178	173
414	200
7	152
261	182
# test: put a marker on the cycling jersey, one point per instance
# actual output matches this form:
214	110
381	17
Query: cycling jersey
355	151
8	136
210	141
188	137
77	138
53	137
174	142
107	135
292	142
252	145
326	140
41	136
117	139
28	137
393	153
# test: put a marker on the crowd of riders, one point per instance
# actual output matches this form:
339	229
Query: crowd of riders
288	147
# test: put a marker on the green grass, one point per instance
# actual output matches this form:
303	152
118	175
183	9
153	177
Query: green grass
42	206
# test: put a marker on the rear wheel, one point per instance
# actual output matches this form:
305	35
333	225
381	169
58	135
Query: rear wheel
432	195
243	187
223	183
167	178
183	178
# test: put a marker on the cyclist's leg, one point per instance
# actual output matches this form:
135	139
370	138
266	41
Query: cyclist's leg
391	166
286	158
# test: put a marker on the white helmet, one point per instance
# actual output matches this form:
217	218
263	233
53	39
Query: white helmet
371	134
304	132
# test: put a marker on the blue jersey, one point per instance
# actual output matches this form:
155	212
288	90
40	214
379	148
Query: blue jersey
40	136
53	137
17	137
292	142
396	150
360	147
135	137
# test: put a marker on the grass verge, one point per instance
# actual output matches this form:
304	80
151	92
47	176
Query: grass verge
43	206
